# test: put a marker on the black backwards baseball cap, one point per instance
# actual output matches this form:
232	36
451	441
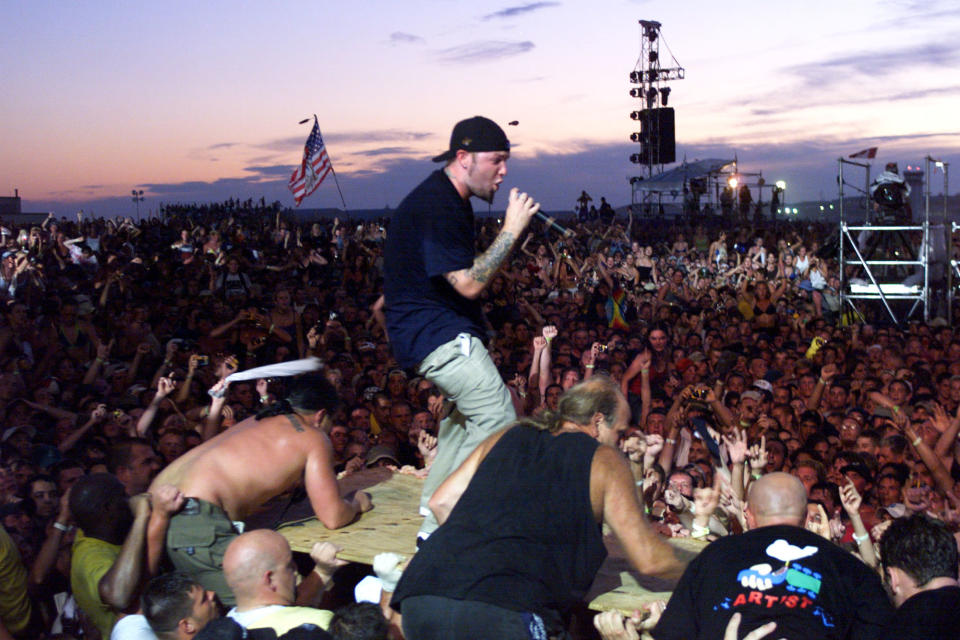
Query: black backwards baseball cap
473	135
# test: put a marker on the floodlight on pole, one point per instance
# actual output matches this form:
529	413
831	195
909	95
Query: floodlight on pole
733	182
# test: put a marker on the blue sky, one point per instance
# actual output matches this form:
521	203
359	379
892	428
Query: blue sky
200	101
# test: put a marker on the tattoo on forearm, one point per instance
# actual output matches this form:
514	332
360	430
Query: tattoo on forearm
486	264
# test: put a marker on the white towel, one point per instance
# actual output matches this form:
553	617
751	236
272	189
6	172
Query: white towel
280	370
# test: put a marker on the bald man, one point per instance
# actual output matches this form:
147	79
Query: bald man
777	571
259	569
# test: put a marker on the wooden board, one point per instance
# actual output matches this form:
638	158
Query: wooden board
619	586
391	525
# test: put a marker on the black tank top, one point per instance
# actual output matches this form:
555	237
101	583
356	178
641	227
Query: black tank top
522	536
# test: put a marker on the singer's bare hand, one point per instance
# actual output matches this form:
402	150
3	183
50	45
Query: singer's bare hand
520	208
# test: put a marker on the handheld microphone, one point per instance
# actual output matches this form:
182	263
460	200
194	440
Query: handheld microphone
553	224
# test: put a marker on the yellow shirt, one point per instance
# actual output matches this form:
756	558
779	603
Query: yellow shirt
14	604
91	560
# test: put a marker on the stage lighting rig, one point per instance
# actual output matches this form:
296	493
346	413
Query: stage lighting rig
651	71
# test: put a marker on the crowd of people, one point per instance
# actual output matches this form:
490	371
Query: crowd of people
728	347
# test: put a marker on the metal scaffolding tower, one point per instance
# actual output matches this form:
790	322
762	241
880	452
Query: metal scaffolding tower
907	269
656	135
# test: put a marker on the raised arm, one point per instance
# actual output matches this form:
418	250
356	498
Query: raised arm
610	478
471	282
119	584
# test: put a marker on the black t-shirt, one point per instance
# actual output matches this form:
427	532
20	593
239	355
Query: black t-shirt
928	615
523	535
431	234
809	586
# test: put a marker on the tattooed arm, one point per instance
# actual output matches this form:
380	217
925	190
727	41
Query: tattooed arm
471	282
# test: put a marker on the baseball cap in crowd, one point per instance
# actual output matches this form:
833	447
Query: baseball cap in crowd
473	135
752	395
763	384
382	452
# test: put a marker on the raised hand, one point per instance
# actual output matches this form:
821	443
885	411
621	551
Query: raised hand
737	446
850	498
549	332
99	414
758	456
645	359
539	343
427	445
634	447
165	386
654	443
828	371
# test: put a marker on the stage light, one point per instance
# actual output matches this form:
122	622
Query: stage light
636	115
635	158
821	207
651	97
831	207
938	164
636	76
733	182
636	136
781	184
636	92
653	56
664	95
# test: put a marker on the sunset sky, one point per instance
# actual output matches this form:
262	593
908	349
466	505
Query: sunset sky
199	101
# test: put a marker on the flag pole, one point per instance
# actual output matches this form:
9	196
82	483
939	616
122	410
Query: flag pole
332	170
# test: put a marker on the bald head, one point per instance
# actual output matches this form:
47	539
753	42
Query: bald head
250	563
778	498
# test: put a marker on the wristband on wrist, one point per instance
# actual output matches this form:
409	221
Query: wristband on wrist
756	475
59	526
588	366
264	398
647	370
895	408
861	539
917	441
670	441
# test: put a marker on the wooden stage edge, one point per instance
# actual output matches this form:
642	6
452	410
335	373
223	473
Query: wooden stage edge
393	523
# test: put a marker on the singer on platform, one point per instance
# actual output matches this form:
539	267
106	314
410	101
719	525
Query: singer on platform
432	284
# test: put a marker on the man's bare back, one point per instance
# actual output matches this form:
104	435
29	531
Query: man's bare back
256	460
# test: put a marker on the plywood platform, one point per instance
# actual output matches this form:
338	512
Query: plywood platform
393	523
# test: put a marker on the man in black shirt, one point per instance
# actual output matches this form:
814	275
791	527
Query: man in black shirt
521	537
777	571
432	283
920	567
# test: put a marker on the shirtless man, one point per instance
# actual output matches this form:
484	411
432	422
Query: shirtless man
230	476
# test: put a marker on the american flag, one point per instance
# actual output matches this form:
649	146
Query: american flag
866	153
314	167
